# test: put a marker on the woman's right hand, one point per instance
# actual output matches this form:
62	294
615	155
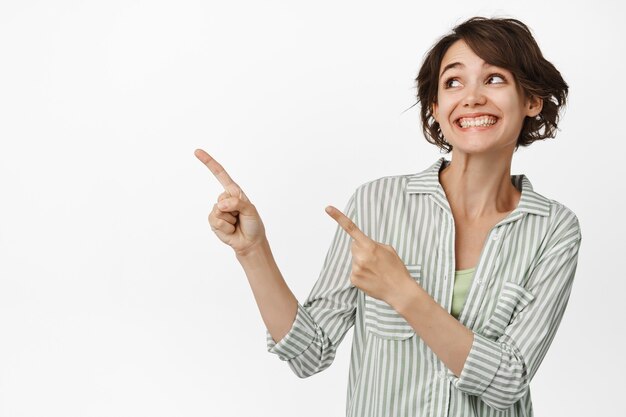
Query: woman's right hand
238	224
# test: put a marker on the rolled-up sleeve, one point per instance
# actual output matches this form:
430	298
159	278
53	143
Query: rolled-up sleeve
323	320
499	371
303	332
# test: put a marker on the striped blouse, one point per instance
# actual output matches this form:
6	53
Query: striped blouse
519	292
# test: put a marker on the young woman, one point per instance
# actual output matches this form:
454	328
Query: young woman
455	278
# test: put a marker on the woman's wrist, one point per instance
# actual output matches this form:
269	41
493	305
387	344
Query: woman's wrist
256	250
408	295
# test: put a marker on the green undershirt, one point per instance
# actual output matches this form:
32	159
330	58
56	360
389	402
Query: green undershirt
462	283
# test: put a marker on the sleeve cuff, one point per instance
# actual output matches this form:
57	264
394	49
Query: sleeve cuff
480	367
297	340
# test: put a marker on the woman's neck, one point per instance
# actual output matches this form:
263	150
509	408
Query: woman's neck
477	187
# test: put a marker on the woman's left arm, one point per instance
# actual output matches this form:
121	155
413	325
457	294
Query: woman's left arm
499	371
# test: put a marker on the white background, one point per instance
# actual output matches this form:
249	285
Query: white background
116	299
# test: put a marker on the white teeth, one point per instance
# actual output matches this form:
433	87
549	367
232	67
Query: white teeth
477	121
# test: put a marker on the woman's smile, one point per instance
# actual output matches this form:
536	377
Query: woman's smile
476	122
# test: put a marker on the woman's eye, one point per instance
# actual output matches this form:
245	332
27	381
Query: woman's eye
499	78
448	82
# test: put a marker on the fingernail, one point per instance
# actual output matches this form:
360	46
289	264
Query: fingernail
221	205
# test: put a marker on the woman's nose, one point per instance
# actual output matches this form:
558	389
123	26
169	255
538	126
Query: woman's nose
473	95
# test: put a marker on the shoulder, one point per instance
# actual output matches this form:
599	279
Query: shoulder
557	220
546	216
381	188
563	220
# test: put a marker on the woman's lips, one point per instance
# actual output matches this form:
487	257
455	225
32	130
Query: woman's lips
478	127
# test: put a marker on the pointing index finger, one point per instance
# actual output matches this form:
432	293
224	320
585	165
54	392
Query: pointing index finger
218	170
346	224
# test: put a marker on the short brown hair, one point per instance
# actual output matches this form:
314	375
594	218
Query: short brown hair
506	43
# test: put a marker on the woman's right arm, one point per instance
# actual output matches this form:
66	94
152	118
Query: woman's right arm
236	222
307	334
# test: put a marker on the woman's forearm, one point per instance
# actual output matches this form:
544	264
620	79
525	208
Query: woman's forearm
450	340
277	304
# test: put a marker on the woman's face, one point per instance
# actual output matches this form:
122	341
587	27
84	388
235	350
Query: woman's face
479	107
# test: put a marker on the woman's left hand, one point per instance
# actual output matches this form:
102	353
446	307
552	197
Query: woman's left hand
376	268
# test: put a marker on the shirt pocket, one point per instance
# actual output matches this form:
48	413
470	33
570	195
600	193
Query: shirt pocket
512	300
382	320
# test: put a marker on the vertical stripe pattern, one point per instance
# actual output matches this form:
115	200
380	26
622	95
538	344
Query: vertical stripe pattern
514	306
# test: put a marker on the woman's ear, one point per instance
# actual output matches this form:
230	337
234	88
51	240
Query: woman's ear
534	105
435	111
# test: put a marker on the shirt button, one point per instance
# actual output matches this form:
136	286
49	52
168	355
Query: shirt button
480	282
495	236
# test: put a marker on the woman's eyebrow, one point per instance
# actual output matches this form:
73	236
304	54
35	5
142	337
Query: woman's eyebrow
450	66
461	65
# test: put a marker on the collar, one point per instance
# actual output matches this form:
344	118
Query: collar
427	182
